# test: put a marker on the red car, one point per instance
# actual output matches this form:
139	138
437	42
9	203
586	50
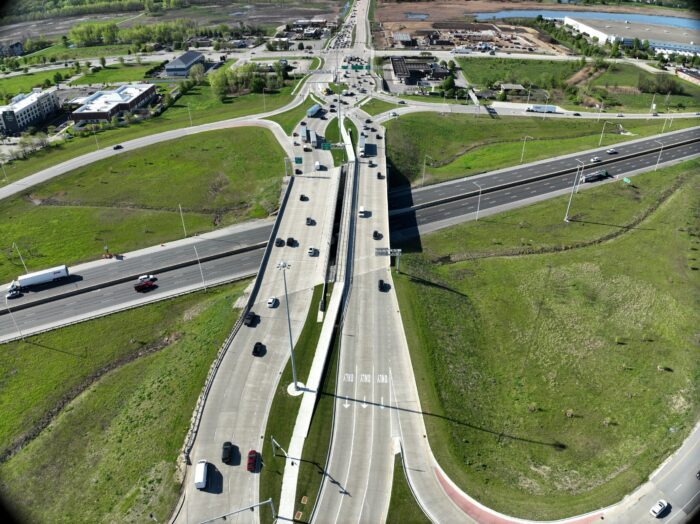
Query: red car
252	461
144	285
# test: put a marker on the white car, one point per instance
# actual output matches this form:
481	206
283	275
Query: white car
272	302
611	151
659	508
312	252
595	159
393	113
147	278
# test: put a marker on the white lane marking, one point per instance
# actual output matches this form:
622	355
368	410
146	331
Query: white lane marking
371	449
677	487
352	445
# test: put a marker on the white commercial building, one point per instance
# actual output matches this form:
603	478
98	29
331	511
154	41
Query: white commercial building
590	31
26	110
103	105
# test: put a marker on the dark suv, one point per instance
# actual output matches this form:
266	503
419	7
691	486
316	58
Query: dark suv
291	241
249	319
227	453
258	349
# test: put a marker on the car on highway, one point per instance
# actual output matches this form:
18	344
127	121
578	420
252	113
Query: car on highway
402	102
249	319
659	508
376	235
381	285
258	349
117	147
252	464
227	452
303	198
279	242
379	175
595	159
577	114
149	278
272	302
311	252
620	115
378	136
368	121
201	471
143	286
307	149
611	151
310	221
393	113
298	171
291	242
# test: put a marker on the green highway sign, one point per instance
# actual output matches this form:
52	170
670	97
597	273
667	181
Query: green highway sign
326	146
298	160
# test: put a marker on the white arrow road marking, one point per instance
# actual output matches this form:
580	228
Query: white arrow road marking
364	402
346	404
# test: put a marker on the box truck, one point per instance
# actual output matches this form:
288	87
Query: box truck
39	277
200	474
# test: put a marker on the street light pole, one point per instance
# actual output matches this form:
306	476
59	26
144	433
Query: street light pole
522	153
661	151
199	263
12	316
422	184
600	110
602	131
14	244
284	266
3	171
478	202
182	218
97	145
573	188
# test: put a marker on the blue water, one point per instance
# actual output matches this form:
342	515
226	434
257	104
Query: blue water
672	21
417	16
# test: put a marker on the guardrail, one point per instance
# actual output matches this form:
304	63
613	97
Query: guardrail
536	178
128	278
211	375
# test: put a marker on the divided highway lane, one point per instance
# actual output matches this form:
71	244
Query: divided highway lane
153	259
71	309
526	191
404	198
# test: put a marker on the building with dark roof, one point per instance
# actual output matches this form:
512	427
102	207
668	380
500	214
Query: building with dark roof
181	66
409	70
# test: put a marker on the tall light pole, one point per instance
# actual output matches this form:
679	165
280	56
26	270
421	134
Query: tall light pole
573	188
20	256
182	218
12	316
522	153
478	202
284	266
97	145
603	131
600	110
661	151
582	165
546	103
422	184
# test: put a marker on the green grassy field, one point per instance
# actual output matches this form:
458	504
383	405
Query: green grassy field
571	399
24	83
290	119
486	71
62	53
462	145
118	440
376	106
283	413
115	73
131	201
403	508
204	108
627	75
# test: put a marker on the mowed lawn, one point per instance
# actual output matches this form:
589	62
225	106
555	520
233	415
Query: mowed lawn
13	85
459	145
131	200
376	106
290	119
115	73
203	106
559	382
109	454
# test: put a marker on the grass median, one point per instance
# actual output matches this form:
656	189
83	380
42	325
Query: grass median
376	106
333	136
131	201
557	382
403	508
284	409
455	146
290	119
102	409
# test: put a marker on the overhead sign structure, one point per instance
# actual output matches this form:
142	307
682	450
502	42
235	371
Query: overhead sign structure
326	146
388	252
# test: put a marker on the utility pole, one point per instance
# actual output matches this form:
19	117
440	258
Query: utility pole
602	131
422	184
573	188
661	151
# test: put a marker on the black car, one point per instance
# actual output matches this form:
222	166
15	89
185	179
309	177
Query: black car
258	349
577	114
376	235
279	242
379	137
368	121
332	110
381	285
379	175
227	453
291	241
249	319
118	146
297	171
310	221
303	197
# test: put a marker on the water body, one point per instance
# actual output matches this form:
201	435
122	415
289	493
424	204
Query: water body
671	21
417	16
